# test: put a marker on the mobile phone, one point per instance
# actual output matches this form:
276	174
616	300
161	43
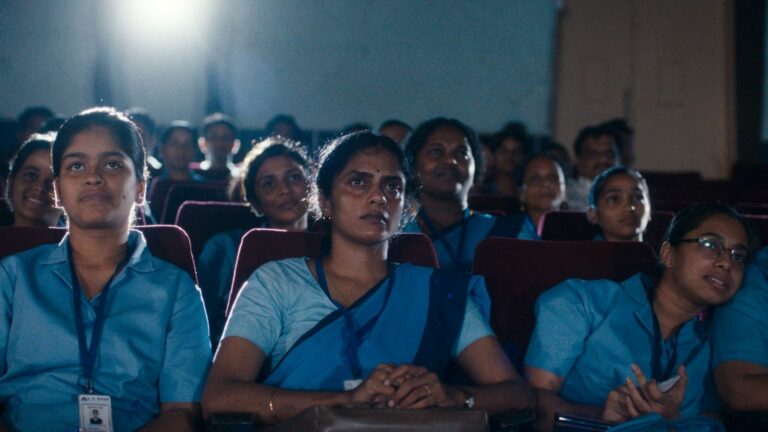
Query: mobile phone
668	384
569	423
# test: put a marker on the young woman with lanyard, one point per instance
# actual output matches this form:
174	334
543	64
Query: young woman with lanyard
447	159
274	183
97	322
615	351
351	327
542	189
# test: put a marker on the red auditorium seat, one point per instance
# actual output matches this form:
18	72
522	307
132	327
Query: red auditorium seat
261	245
569	226
204	219
200	191
517	271
6	215
167	242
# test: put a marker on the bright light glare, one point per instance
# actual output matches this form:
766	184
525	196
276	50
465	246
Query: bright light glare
162	19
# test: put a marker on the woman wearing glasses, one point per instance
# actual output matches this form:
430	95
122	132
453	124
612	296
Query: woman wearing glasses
615	351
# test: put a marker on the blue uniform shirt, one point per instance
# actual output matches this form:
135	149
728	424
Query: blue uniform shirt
282	301
154	347
478	227
741	325
216	267
590	332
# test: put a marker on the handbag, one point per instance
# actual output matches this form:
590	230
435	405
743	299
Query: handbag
325	419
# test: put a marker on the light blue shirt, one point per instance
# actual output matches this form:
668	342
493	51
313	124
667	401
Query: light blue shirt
478	227
216	267
281	301
741	325
528	230
154	348
590	332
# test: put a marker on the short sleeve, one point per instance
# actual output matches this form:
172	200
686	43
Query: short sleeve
741	326
6	311
256	315
476	323
187	346
562	326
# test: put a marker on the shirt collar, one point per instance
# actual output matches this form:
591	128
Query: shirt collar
140	259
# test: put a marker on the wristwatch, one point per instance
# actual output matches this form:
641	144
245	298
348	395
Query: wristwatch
469	398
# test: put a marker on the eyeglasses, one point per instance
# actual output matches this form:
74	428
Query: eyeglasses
714	249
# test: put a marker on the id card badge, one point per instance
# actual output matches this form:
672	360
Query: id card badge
352	384
95	413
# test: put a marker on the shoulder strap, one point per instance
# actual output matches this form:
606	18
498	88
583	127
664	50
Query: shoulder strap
447	303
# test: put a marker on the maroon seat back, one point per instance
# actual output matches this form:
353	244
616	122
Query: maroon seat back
6	215
494	204
200	191
517	271
570	226
261	245
156	192
167	242
760	222
204	219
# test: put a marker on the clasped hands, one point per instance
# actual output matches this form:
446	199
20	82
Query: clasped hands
405	386
629	401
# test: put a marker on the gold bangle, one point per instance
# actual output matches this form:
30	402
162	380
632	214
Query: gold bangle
272	405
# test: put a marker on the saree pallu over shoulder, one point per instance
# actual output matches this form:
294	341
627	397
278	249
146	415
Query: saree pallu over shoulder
416	318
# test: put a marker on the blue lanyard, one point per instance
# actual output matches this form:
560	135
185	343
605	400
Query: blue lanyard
88	354
354	336
435	234
658	349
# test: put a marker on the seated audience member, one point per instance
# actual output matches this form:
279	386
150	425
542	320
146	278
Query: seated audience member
30	184
97	313
148	130
30	121
484	185
510	146
177	150
218	142
542	189
740	341
27	123
274	182
560	153
285	126
624	134
596	151
395	129
350	327
614	351
619	204
447	159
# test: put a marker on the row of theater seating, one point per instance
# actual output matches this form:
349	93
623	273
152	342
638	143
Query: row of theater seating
516	271
166	196
204	219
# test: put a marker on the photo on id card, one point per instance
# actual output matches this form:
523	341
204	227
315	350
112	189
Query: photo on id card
95	413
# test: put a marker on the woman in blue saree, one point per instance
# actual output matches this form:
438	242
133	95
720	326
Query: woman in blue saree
351	327
447	160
